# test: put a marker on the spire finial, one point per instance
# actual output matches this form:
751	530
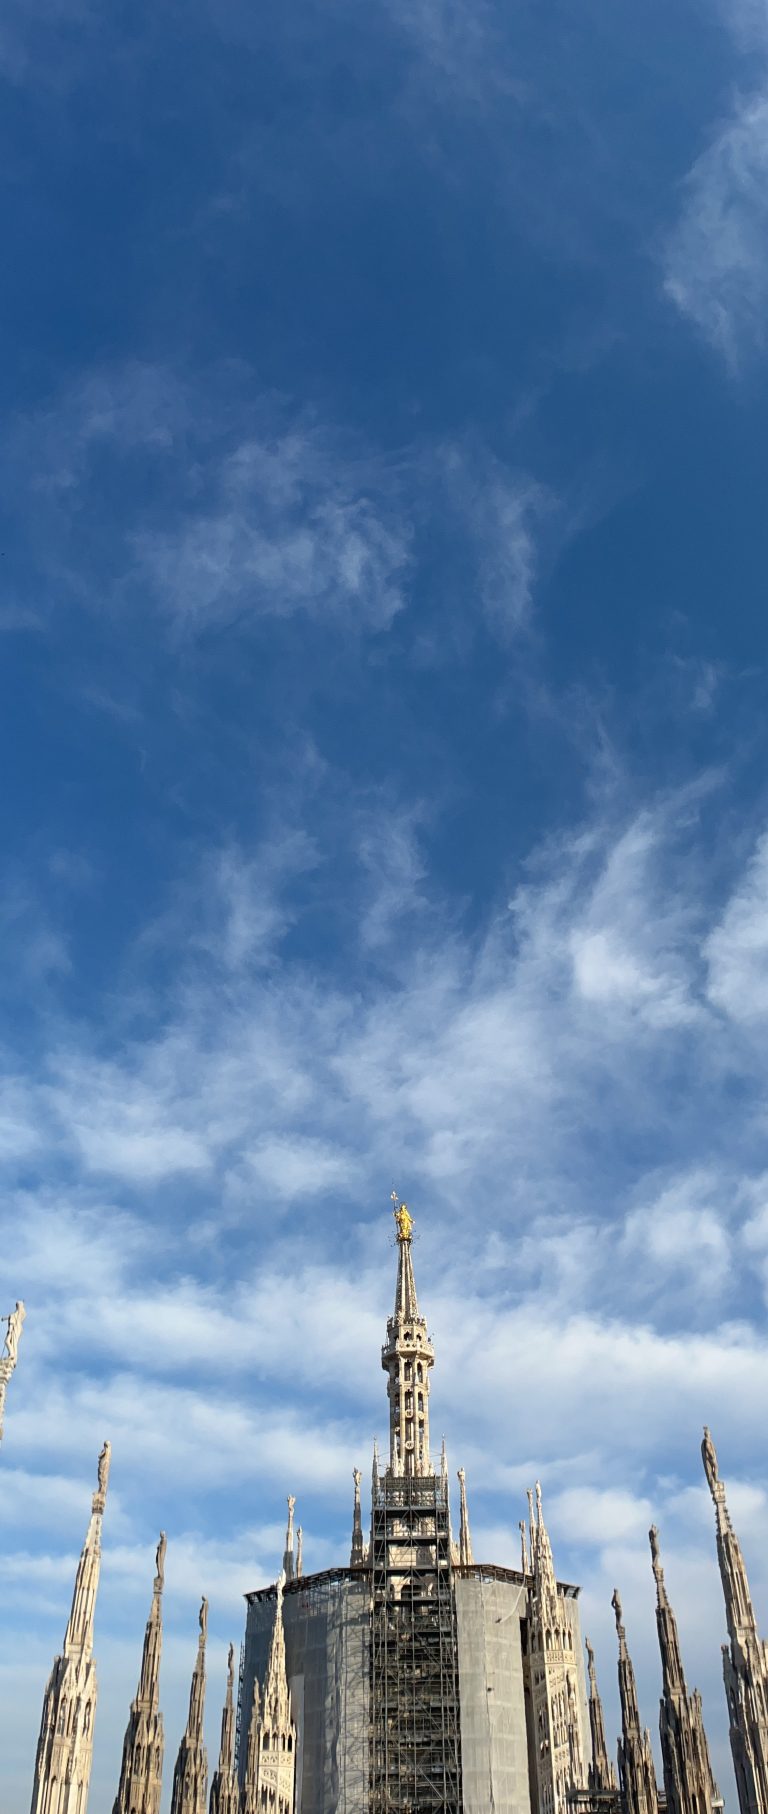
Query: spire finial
357	1557
709	1458
100	1495
160	1563
288	1562
658	1572
299	1552
10	1353
616	1604
465	1541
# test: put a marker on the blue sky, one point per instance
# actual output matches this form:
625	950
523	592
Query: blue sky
384	753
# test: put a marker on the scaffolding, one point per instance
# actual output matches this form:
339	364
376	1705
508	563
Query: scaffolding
415	1745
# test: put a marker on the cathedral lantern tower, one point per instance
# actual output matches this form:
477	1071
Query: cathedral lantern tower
401	1683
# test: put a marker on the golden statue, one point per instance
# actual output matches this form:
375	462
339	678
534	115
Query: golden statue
403	1219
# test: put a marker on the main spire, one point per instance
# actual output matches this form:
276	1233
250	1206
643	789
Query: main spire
406	1358
141	1773
65	1745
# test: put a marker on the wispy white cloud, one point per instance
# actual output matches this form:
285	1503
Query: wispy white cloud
291	529
716	265
256	510
737	947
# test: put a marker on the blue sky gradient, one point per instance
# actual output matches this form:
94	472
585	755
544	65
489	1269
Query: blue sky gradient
382	601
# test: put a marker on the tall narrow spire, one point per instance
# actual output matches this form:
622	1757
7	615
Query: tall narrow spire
524	1558
406	1358
688	1780
288	1562
357	1552
745	1668
466	1557
225	1789
190	1777
271	1758
554	1685
251	1779
141	1773
10	1354
637	1776
602	1776
65	1745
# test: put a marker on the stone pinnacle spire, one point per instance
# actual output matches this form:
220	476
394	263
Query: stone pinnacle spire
637	1776
141	1773
745	1668
190	1777
9	1357
466	1557
357	1553
688	1780
601	1776
554	1681
406	1358
271	1757
288	1561
225	1789
65	1745
251	1778
525	1565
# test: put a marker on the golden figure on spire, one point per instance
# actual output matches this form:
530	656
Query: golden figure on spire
403	1218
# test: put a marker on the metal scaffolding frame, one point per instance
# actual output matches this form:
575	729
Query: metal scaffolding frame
415	1742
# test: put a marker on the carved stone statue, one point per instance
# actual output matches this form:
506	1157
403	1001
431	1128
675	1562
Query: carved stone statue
13	1332
160	1562
357	1477
231	1666
616	1604
709	1459
203	1617
103	1467
653	1538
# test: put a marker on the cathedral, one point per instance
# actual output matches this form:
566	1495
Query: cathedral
415	1680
